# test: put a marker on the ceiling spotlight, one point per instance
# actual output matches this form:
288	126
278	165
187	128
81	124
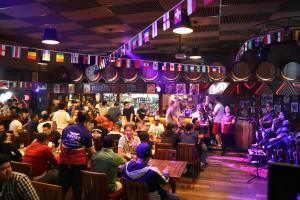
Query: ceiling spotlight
184	26
195	54
50	36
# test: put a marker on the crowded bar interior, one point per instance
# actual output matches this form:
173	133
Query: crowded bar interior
149	99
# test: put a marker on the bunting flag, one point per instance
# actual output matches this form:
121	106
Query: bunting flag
295	34
127	63
154	29
250	44
75	58
166	21
179	67
203	68
60	57
146	65
146	36
280	36
172	67
198	68
213	69
246	46
191	6
137	64
267	39
186	68
129	47
31	54
16	52
140	37
85	59
164	66
155	65
257	41
192	68
96	60
134	43
177	14
118	62
89	59
46	55
2	49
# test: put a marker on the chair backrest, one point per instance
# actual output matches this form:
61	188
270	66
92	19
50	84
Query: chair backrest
187	152
166	154
135	190
47	191
21	167
94	185
162	146
115	147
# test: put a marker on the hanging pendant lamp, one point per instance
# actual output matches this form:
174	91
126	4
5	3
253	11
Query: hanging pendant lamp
184	26
50	36
195	54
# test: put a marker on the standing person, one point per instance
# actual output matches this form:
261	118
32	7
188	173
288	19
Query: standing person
217	117
76	139
61	117
128	112
156	128
14	185
128	142
114	113
32	126
141	113
107	161
171	115
227	126
15	125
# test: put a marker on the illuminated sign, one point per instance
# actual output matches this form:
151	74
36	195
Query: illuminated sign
218	88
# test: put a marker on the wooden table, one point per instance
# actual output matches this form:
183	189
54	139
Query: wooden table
176	169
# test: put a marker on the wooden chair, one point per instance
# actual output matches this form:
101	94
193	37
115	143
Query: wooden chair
47	191
21	167
95	187
188	152
166	154
134	190
162	146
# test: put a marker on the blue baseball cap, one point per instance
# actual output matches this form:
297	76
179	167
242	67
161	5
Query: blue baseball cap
143	150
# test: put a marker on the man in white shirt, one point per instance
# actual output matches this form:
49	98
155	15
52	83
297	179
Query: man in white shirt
217	117
15	125
156	127
45	119
61	117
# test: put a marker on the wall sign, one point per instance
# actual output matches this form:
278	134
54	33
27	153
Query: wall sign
218	88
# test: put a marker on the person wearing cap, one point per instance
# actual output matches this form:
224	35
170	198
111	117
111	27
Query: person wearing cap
40	156
14	185
156	127
140	171
128	142
101	128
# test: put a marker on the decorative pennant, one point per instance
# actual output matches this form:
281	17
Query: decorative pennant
140	37
179	67
60	57
31	54
192	68
155	65
118	62
75	58
166	21
16	52
127	63
89	59
172	67
146	36
280	36
267	39
96	60
203	68
137	64
129	47
85	59
295	35
134	43
46	55
198	68
250	44
177	14
146	65
2	49
164	66
191	6
186	68
154	29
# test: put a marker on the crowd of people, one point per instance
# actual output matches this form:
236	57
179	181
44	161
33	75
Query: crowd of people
60	141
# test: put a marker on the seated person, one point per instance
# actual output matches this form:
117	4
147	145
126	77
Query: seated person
140	171
128	142
7	148
53	136
115	133
101	129
40	156
156	128
45	119
143	131
106	161
170	136
189	136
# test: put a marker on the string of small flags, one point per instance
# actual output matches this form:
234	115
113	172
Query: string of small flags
267	39
167	66
15	84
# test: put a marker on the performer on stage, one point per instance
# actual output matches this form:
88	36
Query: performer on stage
265	123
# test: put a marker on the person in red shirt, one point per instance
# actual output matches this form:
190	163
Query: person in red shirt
40	156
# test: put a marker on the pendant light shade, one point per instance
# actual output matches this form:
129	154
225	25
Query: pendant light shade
50	36
195	54
184	26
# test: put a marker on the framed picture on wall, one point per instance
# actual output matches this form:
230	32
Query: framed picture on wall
194	88
180	88
86	88
170	88
286	99
294	107
277	108
150	88
56	88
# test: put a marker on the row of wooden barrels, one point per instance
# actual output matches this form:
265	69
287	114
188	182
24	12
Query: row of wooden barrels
241	71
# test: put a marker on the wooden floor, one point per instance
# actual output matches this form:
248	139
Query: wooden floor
225	178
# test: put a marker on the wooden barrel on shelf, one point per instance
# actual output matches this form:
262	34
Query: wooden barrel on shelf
129	74
92	73
149	75
216	74
75	74
266	71
192	76
110	74
291	71
241	71
171	75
